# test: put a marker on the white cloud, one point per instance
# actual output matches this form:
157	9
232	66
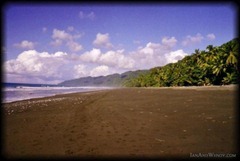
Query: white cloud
58	54
80	71
156	54
90	15
148	50
174	56
61	36
56	42
109	58
91	56
74	46
33	63
102	40
211	36
101	70
169	41
189	40
149	56
54	67
117	59
25	44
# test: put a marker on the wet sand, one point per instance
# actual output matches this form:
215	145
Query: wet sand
126	122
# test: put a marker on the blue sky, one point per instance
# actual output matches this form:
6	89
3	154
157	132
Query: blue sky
52	43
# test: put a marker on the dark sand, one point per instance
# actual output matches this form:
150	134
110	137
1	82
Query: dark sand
128	122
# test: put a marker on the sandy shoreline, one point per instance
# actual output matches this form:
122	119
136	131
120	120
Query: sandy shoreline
123	122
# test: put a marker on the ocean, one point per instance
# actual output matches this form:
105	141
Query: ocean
12	92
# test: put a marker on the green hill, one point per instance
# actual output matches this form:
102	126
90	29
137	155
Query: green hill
213	66
114	80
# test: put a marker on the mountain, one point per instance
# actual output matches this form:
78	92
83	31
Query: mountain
113	80
213	66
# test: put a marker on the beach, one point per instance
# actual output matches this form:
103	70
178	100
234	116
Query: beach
124	122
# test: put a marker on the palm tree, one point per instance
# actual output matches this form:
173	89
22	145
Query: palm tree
209	48
231	52
197	51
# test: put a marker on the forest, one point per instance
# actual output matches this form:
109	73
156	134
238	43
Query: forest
213	66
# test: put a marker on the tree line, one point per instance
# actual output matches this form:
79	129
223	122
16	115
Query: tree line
213	66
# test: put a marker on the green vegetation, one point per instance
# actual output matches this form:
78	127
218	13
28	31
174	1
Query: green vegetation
213	66
113	80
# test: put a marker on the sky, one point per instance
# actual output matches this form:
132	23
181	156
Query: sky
50	43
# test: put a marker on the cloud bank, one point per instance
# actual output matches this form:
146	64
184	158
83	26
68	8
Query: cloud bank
55	67
43	67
